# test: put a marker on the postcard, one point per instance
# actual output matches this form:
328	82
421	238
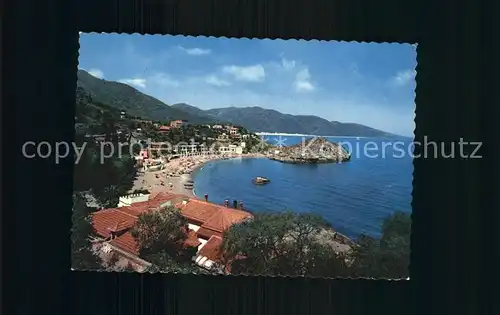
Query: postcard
243	156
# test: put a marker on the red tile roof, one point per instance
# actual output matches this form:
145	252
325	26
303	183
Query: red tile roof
154	202
165	196
198	210
207	233
216	219
224	218
164	128
211	249
126	242
192	240
112	220
123	218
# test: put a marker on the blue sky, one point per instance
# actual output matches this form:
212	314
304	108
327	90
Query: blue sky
367	83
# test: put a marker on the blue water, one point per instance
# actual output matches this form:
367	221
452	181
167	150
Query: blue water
354	196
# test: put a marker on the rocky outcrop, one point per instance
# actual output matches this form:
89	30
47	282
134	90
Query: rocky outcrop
312	151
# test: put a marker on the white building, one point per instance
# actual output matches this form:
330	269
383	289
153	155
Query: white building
232	149
186	148
127	200
223	137
208	250
233	130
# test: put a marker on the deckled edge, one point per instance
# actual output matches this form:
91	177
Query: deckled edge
415	44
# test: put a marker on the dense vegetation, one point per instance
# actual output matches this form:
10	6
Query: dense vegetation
161	235
124	97
107	174
281	244
294	245
260	119
82	256
389	256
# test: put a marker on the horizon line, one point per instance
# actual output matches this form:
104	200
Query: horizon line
248	106
306	135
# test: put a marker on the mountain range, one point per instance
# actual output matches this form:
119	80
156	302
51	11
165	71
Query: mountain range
257	119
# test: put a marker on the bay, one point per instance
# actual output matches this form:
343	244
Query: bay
353	196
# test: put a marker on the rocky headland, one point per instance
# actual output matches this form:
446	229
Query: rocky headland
311	151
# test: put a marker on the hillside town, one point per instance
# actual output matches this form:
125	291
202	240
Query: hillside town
138	211
156	162
162	182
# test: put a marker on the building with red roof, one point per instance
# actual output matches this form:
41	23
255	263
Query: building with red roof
209	255
221	221
178	123
164	128
206	225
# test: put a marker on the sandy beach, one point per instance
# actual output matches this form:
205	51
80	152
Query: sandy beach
177	172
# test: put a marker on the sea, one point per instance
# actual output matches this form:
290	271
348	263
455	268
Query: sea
354	196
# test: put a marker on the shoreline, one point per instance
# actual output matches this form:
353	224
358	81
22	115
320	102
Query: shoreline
151	180
202	164
177	172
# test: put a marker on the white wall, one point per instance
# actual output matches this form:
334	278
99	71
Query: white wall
193	227
204	262
130	199
231	149
203	242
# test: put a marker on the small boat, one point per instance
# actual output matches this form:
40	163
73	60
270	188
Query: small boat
260	180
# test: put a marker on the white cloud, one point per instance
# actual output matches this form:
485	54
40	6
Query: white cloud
96	73
288	64
196	51
339	106
403	77
334	98
137	82
302	81
158	80
254	73
214	80
163	80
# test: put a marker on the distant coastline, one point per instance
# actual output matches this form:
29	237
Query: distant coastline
302	135
345	137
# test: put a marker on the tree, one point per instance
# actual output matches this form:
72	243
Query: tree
107	197
281	244
82	256
109	179
163	262
108	123
161	235
389	256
